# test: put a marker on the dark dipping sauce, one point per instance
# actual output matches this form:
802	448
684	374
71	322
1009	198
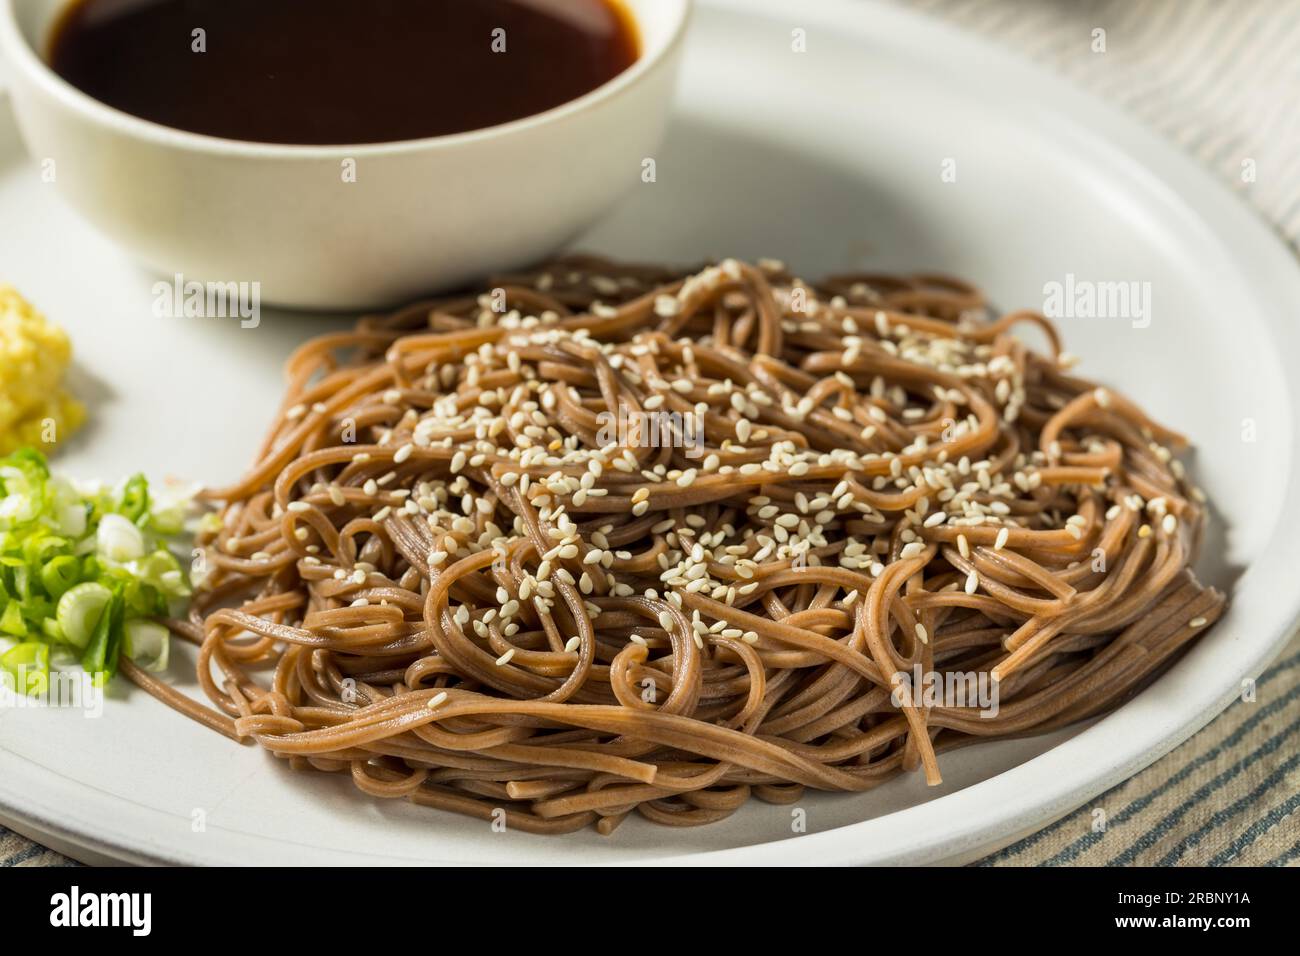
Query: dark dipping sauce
340	71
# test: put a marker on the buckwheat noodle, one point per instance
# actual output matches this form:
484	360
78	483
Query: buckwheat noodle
487	561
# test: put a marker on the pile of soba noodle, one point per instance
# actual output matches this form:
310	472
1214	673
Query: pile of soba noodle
609	539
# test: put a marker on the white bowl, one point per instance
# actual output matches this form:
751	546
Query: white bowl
421	214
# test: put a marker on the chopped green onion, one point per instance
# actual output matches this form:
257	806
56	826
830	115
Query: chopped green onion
11	621
79	611
29	666
134	503
100	658
59	574
118	539
146	643
84	568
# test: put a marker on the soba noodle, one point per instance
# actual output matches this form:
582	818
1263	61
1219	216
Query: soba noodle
607	539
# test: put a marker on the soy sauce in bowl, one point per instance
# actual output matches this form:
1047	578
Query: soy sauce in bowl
318	72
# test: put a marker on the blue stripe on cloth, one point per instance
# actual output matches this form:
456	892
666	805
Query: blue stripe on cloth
1141	803
1257	829
31	851
1253	831
1287	856
1152	836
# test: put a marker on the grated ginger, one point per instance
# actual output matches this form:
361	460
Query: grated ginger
35	408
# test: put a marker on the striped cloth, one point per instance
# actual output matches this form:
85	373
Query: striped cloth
1226	797
1219	79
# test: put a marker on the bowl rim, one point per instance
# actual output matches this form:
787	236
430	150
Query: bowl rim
23	58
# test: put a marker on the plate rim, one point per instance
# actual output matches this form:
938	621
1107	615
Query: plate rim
994	812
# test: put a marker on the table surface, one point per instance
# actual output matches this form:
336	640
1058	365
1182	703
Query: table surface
1219	80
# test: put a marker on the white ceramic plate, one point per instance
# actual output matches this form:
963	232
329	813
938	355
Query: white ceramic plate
831	159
